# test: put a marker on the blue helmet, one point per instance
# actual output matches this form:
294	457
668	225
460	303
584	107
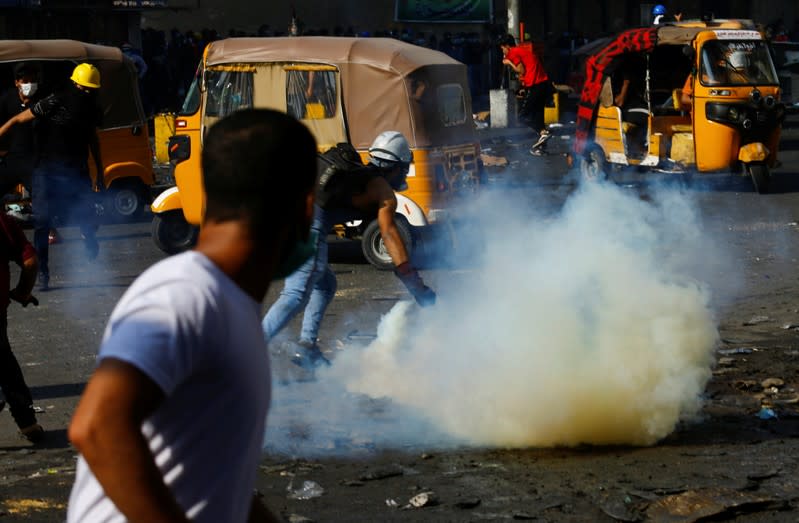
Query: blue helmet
659	9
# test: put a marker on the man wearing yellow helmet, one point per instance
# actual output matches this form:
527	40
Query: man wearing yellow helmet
65	131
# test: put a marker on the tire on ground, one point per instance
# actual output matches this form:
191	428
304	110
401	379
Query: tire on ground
172	233
375	250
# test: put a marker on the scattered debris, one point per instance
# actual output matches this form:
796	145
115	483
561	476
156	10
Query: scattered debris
425	455
392	503
494	161
789	326
352	483
309	490
772	382
701	504
737	350
757	320
766	413
383	473
467	503
746	385
523	516
296	518
423	499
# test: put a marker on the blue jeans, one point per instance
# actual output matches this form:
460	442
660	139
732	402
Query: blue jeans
62	190
311	287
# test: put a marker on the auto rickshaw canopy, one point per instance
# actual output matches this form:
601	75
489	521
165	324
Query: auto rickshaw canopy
641	40
118	94
376	78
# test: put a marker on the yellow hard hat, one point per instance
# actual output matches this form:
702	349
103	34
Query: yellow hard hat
86	75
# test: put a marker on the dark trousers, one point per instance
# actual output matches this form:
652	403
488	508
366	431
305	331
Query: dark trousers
534	99
64	191
13	383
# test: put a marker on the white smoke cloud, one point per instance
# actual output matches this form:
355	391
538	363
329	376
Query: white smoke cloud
592	326
587	328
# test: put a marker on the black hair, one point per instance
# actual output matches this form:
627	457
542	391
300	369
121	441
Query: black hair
508	40
23	69
258	165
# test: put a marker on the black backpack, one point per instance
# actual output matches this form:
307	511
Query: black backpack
341	172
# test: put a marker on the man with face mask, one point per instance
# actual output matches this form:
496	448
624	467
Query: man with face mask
363	193
19	158
65	132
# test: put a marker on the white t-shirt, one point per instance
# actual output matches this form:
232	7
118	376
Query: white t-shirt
194	332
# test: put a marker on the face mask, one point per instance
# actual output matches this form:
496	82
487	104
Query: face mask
300	252
28	89
398	182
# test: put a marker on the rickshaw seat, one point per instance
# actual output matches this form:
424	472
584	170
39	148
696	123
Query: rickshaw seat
682	128
676	99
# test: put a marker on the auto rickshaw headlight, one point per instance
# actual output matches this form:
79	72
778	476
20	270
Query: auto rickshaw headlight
755	95
717	112
769	101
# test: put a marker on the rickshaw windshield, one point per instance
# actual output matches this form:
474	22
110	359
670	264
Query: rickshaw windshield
191	104
730	62
227	91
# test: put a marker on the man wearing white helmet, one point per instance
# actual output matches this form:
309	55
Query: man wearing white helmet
347	190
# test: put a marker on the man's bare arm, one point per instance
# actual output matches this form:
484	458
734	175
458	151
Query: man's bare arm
380	192
24	116
106	429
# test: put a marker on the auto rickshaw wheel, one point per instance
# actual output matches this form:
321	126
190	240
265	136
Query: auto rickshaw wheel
126	199
760	176
172	233
593	166
375	250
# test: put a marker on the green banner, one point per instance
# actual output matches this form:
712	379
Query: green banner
443	10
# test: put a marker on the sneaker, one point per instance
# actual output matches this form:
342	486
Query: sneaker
309	356
44	281
538	151
542	139
53	237
33	433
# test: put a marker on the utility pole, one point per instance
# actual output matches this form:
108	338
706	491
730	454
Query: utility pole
513	18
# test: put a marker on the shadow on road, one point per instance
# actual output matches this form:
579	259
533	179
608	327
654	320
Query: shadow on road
63	390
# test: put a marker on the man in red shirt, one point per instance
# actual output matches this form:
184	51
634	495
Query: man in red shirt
536	88
15	247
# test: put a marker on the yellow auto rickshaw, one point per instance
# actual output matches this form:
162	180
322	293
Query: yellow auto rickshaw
730	123
344	90
123	136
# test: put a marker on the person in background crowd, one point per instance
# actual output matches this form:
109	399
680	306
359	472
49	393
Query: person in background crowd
172	422
65	131
15	247
19	158
658	14
536	88
359	193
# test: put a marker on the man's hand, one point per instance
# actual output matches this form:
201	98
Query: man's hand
22	299
409	276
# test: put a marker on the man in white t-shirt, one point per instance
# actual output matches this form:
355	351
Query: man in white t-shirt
172	422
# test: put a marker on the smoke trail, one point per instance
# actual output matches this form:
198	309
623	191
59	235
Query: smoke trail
591	327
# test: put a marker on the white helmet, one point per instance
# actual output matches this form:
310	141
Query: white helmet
390	147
